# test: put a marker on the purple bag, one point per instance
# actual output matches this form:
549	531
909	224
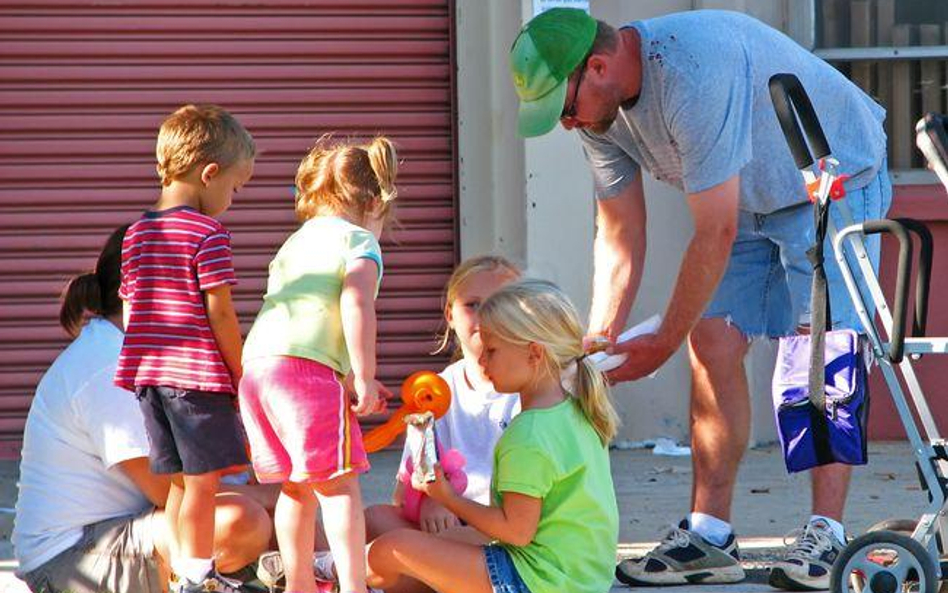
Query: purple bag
811	436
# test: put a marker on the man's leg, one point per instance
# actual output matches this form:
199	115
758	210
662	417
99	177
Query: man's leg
830	485
720	425
720	414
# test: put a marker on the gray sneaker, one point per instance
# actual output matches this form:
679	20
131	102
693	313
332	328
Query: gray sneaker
808	560
270	572
212	583
684	557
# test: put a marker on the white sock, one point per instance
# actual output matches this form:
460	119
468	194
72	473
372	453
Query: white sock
838	530
710	528
193	569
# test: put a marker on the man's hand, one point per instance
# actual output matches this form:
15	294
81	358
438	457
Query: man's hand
645	355
434	518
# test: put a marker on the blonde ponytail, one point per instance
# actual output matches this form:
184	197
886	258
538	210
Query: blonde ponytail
592	392
536	311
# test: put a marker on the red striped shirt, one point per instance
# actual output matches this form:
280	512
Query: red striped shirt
168	259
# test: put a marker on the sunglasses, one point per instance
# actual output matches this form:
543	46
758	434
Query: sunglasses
569	111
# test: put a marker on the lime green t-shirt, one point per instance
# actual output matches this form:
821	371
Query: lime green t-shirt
300	315
555	454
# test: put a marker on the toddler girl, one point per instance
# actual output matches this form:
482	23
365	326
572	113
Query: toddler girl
316	327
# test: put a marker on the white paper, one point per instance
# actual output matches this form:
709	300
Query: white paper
606	362
666	446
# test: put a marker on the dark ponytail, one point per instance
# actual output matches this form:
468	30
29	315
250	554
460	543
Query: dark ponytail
95	292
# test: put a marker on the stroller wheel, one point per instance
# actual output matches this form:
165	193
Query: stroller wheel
884	562
906	526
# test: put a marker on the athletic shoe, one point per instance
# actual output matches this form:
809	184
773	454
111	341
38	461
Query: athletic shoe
684	557
212	583
808	560
270	572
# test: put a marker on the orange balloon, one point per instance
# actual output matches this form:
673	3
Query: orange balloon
423	391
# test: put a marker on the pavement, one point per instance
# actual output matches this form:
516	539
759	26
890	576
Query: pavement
653	491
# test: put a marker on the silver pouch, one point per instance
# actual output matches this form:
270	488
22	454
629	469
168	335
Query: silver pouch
421	442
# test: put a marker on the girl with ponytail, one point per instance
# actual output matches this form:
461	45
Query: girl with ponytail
317	326
554	522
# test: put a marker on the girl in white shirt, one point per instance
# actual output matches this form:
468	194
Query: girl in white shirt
478	414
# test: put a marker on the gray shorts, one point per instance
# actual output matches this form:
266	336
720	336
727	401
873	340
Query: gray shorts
112	556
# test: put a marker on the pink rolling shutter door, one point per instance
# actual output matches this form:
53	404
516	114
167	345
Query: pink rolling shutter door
84	85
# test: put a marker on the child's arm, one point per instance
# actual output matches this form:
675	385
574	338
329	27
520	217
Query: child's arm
154	486
357	305
514	523
223	321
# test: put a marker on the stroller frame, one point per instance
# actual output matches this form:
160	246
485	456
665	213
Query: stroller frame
884	560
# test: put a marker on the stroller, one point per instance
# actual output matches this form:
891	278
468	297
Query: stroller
885	560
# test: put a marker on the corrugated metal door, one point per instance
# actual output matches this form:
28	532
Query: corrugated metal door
84	86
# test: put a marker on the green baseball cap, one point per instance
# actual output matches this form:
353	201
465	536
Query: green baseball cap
544	54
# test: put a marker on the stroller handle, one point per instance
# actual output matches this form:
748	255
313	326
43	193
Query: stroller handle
787	94
900	230
923	281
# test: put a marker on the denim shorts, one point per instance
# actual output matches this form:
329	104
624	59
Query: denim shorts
502	572
765	290
194	432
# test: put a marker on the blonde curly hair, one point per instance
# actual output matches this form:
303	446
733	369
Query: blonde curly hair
344	177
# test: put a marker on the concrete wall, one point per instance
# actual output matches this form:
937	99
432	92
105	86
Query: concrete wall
532	200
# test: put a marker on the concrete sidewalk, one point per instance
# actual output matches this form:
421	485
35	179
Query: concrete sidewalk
654	491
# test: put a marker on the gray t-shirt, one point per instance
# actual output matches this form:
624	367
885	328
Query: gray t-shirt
704	113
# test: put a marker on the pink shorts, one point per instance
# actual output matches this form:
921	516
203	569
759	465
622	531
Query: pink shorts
298	421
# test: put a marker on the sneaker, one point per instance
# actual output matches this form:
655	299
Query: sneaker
684	557
809	559
212	583
270	572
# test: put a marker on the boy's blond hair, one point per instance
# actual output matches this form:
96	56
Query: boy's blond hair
342	177
198	135
537	312
464	270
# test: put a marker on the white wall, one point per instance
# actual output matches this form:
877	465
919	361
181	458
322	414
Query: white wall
532	200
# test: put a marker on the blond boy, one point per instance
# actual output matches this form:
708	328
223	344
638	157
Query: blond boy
182	348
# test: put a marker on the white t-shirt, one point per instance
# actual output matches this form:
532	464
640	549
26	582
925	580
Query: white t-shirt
79	427
473	425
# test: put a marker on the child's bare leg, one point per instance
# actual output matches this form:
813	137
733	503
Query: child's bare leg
340	502
172	511
440	563
196	516
464	534
295	522
382	518
242	530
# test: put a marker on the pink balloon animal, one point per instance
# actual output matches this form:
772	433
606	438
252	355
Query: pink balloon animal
452	464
